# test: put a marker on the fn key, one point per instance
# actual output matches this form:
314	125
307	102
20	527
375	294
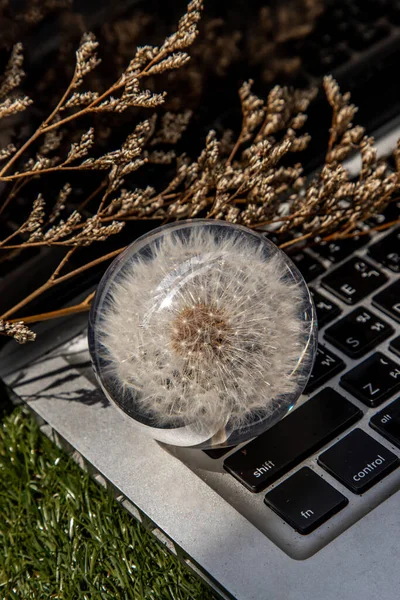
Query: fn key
305	500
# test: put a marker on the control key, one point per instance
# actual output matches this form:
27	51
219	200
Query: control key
358	461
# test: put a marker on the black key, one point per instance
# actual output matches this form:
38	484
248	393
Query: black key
390	214
326	310
358	332
374	380
338	250
358	461
218	452
308	266
387	422
325	367
288	442
387	251
395	346
388	300
354	280
305	500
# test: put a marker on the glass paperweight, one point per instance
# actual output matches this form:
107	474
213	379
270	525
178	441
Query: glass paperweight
203	333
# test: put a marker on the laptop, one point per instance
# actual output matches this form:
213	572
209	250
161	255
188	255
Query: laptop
310	508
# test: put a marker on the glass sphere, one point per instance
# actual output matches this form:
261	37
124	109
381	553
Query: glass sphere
203	333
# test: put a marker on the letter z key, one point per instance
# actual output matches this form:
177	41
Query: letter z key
374	380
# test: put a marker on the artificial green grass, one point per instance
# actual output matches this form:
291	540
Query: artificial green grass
62	536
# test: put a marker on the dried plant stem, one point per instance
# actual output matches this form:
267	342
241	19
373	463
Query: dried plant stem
16	188
57	168
37	133
47	126
83	306
55	279
93	194
339	235
61	265
296	240
235	148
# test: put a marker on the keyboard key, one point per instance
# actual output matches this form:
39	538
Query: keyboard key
354	280
305	501
388	300
390	214
308	266
326	365
387	422
288	442
358	332
326	310
395	346
358	461
387	251
374	380
218	452
339	249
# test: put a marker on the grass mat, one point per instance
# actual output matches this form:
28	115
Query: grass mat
62	536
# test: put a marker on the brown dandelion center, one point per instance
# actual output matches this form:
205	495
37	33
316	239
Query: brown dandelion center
200	329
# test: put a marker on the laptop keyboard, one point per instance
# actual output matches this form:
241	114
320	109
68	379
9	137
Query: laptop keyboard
337	444
335	457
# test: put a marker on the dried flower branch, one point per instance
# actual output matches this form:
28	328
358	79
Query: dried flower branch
255	178
146	58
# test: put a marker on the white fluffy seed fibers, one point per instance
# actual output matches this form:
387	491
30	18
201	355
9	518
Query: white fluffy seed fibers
205	331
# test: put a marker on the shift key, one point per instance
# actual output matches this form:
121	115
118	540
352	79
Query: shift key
291	440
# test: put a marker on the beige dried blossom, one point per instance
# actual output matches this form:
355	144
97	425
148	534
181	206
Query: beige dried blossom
63	229
81	149
37	215
86	58
51	142
175	61
13	73
7	151
19	331
59	204
187	28
252	109
94	231
172	127
11	106
129	201
80	99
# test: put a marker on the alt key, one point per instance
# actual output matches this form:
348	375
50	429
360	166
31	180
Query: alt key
305	501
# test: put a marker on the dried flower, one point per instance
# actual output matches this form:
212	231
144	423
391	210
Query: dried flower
252	179
19	331
36	217
172	127
13	73
203	329
86	58
7	151
12	106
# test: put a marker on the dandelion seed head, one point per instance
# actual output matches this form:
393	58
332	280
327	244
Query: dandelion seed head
204	328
